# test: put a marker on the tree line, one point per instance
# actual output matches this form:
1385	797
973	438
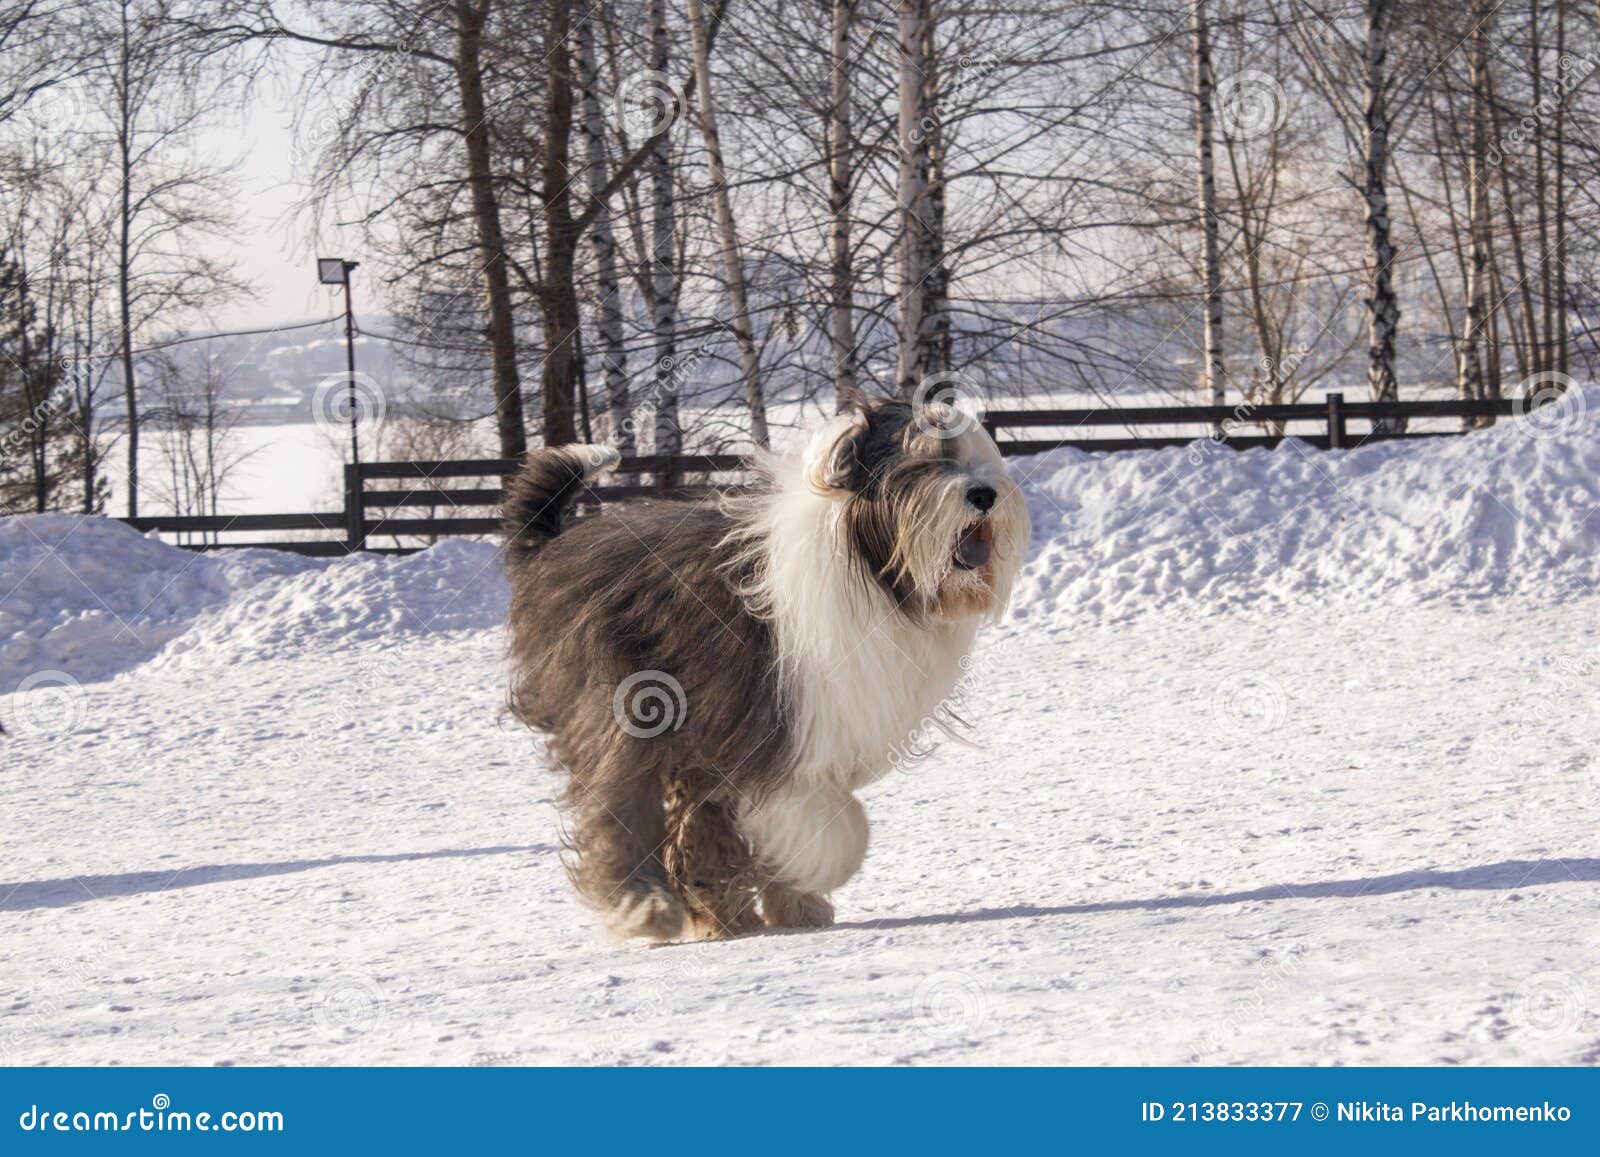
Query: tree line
682	224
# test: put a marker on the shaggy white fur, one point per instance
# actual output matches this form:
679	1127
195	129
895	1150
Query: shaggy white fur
859	675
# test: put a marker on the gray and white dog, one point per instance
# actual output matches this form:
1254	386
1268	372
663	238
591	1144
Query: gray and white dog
718	679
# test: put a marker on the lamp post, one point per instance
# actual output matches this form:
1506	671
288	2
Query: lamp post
336	271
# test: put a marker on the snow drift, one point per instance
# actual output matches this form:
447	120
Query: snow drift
1510	510
1514	509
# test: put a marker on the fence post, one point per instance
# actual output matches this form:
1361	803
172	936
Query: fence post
355	515
1336	422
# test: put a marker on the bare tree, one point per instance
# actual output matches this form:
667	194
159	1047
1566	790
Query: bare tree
1213	374
155	96
728	234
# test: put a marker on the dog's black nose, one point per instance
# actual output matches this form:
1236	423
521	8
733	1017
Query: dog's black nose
981	496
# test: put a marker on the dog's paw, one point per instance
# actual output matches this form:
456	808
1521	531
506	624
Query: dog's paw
651	912
783	907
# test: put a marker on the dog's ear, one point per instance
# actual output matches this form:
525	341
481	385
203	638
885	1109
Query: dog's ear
833	453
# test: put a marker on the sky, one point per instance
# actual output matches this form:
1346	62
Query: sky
273	248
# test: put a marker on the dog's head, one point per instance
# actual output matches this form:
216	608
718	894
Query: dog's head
928	512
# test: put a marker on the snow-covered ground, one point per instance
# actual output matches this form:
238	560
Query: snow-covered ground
1286	757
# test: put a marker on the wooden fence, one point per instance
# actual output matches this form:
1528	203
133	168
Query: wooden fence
429	500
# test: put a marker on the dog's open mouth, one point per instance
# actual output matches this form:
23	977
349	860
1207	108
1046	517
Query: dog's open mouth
973	547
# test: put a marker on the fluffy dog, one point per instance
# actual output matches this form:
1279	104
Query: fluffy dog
718	679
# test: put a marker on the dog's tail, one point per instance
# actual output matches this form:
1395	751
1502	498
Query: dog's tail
538	495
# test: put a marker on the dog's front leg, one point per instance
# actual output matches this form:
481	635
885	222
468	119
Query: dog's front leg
808	842
783	907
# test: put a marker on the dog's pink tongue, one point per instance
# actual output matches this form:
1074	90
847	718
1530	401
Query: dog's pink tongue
973	549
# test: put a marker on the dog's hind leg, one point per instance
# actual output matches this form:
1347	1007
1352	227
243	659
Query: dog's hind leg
708	862
617	831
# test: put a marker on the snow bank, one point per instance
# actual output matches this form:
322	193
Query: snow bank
454	586
1512	509
90	597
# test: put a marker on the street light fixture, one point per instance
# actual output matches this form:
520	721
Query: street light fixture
336	271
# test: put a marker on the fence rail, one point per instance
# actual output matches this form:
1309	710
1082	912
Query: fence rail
429	507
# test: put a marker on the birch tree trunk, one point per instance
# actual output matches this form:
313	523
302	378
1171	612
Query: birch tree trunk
1559	148
1525	344
936	288
914	361
663	257
1469	366
841	280
608	309
1541	343
125	142
1213	374
732	261
500	322
1383	308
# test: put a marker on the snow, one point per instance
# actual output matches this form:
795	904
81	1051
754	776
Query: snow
1286	758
